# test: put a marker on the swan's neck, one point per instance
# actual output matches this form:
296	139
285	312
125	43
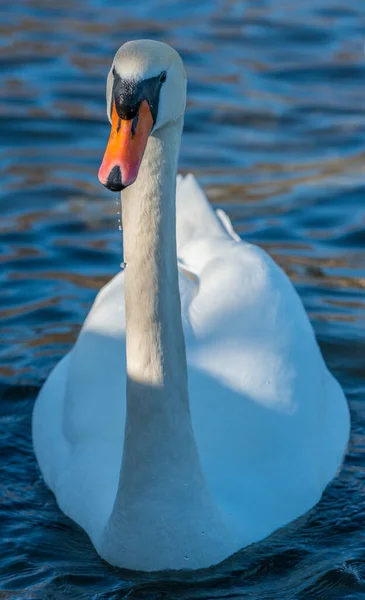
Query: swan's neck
154	334
159	445
162	501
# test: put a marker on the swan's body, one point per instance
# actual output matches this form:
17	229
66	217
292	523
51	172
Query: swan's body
268	426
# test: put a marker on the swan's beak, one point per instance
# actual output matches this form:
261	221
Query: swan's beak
125	149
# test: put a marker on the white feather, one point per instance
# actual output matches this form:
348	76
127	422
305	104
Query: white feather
271	424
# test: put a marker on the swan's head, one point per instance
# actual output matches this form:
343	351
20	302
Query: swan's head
146	90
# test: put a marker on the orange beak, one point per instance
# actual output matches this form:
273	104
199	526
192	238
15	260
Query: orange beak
125	149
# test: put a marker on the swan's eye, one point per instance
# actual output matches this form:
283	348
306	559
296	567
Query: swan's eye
163	76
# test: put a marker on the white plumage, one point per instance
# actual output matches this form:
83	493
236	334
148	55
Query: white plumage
270	422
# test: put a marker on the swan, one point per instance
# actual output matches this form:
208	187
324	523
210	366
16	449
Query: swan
195	414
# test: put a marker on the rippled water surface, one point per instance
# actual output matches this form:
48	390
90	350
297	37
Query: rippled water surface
275	130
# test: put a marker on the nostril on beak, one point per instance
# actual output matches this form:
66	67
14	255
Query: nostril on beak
114	181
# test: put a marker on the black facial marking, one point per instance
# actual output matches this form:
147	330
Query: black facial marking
128	95
114	181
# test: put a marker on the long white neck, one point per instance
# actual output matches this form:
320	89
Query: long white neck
155	340
162	504
158	434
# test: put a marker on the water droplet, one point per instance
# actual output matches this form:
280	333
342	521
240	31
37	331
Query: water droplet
120	228
186	558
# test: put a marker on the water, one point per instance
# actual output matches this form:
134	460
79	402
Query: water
275	130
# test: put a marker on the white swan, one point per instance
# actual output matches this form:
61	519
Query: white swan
161	470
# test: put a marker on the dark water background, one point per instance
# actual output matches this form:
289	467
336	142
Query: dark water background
275	130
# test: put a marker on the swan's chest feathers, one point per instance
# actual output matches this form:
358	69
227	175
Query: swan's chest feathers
253	405
264	407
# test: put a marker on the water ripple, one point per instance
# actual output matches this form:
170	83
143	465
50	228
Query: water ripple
275	130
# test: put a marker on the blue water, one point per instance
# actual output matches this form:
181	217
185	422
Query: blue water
275	130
